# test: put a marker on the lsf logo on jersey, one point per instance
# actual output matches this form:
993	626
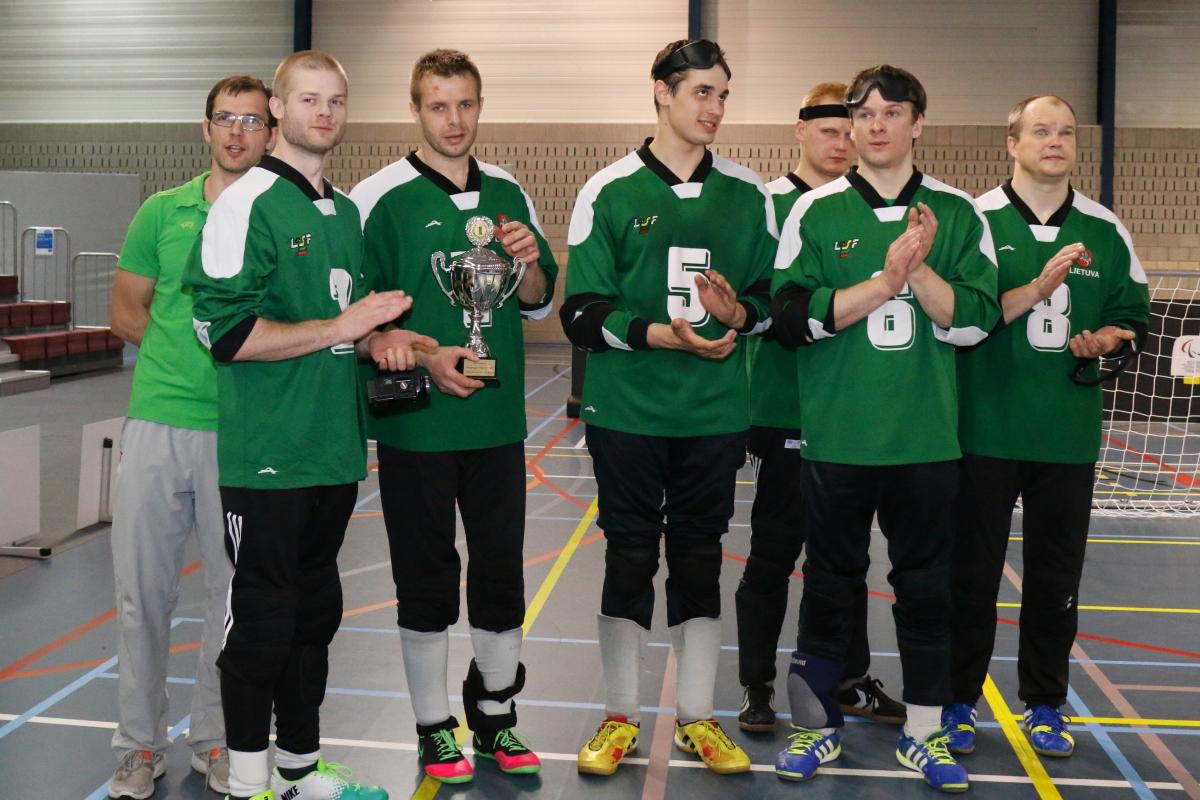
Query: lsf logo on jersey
643	223
843	247
300	243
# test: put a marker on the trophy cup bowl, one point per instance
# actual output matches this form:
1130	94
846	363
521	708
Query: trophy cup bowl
479	280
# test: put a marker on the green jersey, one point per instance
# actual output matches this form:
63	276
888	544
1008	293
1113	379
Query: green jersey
883	391
1018	400
412	214
638	238
274	248
774	395
174	380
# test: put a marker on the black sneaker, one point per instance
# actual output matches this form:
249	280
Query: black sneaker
441	755
757	714
864	697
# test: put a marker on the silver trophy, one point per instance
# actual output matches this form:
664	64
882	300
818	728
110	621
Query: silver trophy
479	280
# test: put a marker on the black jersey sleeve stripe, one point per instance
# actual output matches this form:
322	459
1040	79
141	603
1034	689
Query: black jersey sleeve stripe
226	348
789	310
582	317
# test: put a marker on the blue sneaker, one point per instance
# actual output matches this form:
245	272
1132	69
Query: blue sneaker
933	760
1047	729
958	720
808	750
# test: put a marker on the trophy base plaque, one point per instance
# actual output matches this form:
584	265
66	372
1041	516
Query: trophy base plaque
483	370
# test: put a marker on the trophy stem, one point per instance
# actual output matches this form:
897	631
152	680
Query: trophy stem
475	341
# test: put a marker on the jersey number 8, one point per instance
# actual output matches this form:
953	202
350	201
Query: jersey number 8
1048	326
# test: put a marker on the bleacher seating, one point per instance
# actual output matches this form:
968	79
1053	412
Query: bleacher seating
37	344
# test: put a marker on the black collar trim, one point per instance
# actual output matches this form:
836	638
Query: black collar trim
1056	219
474	182
290	173
872	197
798	182
670	178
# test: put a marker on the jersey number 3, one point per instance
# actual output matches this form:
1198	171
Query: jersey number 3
683	298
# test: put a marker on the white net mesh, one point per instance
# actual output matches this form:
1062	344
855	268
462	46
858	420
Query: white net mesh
1150	449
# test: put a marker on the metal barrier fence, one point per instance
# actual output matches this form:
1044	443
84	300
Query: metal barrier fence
91	281
45	272
8	238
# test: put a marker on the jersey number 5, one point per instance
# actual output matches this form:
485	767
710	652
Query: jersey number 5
1048	326
683	298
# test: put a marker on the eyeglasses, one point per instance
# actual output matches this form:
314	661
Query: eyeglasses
250	122
892	88
700	54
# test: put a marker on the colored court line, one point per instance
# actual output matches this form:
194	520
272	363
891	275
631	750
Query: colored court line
1150	723
428	787
1119	759
73	634
655	785
1142	687
1091	540
1029	761
77	665
1134	609
1179	477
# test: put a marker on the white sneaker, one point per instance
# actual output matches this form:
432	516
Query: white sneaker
327	781
214	766
135	775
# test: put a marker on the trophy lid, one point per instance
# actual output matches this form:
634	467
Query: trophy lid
480	230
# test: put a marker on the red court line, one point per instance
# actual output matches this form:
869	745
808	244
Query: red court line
78	665
541	476
1092	637
1143	687
1186	480
655	786
71	635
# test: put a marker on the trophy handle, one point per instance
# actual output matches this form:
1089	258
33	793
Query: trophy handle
518	272
437	262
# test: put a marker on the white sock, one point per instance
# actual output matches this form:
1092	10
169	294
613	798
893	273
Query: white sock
425	658
621	644
249	773
923	721
496	656
288	760
697	644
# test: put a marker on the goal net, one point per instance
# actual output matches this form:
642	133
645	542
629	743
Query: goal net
1150	447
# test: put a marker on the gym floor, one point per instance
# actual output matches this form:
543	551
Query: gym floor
1135	694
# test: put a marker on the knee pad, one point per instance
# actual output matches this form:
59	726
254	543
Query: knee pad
811	683
827	611
474	692
693	579
429	605
497	602
765	575
313	662
630	564
922	607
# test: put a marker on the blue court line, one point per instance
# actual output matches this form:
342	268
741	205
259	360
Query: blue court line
570	705
365	500
1110	747
546	422
61	694
555	377
64	692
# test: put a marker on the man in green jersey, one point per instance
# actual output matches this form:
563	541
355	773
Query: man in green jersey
670	258
278	300
465	447
1071	288
776	532
880	274
167	481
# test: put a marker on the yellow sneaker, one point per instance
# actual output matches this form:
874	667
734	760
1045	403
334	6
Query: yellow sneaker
705	738
615	738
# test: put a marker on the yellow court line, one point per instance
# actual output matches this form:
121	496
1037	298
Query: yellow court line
560	563
429	787
1020	745
1134	609
1126	541
1138	721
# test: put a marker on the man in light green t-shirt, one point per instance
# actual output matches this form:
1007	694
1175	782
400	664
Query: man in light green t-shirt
167	479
